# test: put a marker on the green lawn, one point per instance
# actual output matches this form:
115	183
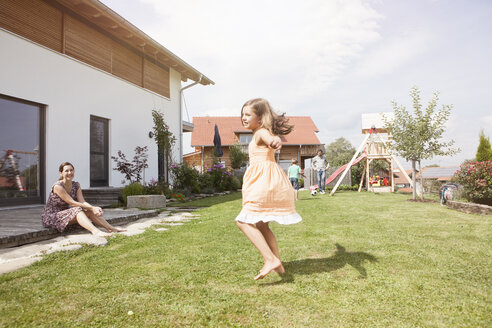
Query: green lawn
356	260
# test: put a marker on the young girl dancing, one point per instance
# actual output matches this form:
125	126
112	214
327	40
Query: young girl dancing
267	192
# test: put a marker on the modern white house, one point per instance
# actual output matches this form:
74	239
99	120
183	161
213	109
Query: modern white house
78	83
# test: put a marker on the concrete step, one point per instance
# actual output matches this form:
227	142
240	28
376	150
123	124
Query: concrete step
23	226
102	196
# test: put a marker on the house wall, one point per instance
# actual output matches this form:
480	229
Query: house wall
289	152
72	91
67	32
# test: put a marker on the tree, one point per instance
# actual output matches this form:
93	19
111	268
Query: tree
165	142
237	156
484	151
339	153
418	136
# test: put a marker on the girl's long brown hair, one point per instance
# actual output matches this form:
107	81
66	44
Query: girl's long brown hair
277	124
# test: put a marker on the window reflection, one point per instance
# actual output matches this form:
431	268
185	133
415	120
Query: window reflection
19	150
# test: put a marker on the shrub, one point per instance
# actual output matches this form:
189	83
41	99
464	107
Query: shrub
476	179
132	189
179	196
206	183
185	177
221	178
344	187
301	183
132	170
187	180
484	151
233	183
237	156
155	187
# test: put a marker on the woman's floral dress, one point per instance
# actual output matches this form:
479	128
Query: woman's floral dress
57	213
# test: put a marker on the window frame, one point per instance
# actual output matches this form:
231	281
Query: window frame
4	202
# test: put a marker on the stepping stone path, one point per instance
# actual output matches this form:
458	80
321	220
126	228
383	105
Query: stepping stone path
14	258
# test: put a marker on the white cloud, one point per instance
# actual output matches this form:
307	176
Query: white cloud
331	59
390	54
280	47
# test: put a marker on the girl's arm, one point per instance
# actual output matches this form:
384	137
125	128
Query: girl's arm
62	193
268	139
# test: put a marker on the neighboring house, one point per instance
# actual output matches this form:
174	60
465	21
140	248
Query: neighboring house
302	143
434	177
400	180
78	83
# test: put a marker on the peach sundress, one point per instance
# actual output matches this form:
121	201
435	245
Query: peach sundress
267	192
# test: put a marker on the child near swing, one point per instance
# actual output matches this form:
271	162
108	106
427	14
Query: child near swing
267	192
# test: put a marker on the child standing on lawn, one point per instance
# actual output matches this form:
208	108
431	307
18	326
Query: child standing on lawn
294	171
267	192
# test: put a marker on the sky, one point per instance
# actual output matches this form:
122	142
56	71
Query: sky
332	60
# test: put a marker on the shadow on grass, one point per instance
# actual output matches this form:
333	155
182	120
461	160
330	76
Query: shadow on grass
328	264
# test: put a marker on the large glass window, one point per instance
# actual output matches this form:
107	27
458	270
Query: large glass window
21	152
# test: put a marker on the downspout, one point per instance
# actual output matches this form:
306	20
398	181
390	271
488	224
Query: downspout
181	116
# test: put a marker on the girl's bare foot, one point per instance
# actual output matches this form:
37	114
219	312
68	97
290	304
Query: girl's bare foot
100	233
269	267
280	269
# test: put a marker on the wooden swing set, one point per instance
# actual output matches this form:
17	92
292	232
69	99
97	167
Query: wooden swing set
9	155
374	147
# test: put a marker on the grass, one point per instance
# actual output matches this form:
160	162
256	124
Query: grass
356	260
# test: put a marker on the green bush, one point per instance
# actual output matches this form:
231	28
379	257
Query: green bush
185	177
301	183
221	178
189	181
132	189
237	156
345	187
206	183
155	187
476	179
232	183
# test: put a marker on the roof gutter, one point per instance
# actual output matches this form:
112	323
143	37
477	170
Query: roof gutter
181	115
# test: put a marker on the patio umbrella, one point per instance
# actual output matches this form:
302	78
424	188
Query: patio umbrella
217	143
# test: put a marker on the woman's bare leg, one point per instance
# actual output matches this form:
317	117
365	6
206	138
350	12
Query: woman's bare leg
272	262
271	241
86	223
99	220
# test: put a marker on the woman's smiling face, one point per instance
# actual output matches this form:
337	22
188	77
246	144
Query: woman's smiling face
67	173
250	120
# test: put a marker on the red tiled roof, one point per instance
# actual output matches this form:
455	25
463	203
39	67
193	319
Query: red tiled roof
400	178
304	132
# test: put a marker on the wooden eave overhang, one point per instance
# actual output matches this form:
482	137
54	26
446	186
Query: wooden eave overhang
187	126
108	20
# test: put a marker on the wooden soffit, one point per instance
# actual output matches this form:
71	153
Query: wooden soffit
109	21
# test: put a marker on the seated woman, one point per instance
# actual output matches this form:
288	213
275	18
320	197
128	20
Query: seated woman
61	208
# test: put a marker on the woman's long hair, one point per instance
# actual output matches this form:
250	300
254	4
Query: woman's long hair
277	124
62	165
